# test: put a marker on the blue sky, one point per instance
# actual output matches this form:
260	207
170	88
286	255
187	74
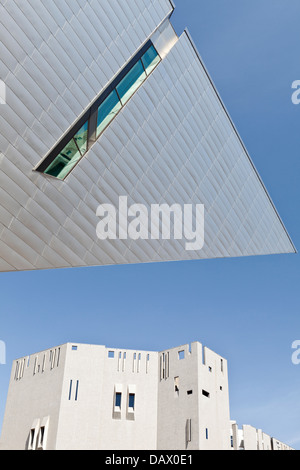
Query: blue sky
245	309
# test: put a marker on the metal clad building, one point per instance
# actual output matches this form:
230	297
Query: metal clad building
165	139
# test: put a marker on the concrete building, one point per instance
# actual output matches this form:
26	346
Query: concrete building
104	100
250	438
89	397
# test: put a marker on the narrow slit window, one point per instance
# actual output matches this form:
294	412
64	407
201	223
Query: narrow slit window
176	385
188	430
42	436
17	371
76	143
76	393
58	357
70	389
32	436
65	161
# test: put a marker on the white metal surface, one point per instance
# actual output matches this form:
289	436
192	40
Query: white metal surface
173	142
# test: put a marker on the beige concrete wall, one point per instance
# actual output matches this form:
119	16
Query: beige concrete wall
250	438
177	377
34	395
209	415
90	422
214	412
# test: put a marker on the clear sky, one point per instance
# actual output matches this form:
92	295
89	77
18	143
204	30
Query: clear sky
247	309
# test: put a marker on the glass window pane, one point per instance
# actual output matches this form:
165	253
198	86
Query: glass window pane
118	400
107	111
150	60
81	138
131	82
65	161
131	400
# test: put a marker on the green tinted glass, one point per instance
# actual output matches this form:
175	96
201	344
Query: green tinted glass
131	82
65	161
107	111
123	89
150	60
81	138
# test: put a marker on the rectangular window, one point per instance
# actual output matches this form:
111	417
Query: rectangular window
131	401
118	400
111	354
181	355
206	433
205	394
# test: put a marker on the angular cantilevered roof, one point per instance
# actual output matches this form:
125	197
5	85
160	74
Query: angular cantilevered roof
172	143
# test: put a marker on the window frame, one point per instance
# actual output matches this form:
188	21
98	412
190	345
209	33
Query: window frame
91	116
